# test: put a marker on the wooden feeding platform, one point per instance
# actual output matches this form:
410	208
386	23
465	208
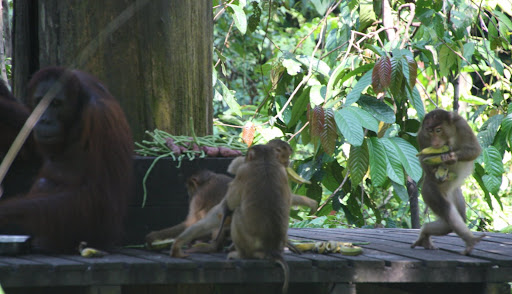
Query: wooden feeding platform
387	265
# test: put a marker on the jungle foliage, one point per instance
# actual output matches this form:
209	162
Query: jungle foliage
348	82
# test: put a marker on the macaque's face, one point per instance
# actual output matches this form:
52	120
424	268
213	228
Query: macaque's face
438	136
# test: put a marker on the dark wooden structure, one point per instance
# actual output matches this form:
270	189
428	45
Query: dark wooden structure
388	265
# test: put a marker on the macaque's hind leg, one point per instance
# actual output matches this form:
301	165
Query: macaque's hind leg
460	228
437	228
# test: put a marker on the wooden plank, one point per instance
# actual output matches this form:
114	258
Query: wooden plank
494	251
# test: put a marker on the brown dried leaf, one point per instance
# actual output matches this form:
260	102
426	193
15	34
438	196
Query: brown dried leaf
248	133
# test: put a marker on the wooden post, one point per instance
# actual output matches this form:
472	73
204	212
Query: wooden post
155	56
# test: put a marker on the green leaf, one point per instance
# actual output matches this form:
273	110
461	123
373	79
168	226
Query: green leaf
317	65
230	100
239	18
299	106
379	109
292	67
407	154
397	76
469	50
417	103
358	164
447	59
394	167
366	119
349	126
401	192
468	98
493	161
506	126
378	161
489	130
492	183
360	86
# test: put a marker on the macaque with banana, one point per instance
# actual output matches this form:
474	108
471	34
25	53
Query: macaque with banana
448	149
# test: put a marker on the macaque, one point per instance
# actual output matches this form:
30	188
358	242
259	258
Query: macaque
284	151
260	198
445	172
205	189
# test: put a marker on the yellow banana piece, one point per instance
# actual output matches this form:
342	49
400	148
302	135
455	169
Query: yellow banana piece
305	246
294	176
433	160
432	150
351	250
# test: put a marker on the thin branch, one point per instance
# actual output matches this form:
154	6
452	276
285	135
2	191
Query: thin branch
334	193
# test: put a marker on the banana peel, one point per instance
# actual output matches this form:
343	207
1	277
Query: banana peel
344	248
294	176
89	251
160	244
432	150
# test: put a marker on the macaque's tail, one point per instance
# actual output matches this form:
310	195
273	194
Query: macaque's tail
278	258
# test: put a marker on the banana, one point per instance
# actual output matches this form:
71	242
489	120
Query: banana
433	160
351	250
344	248
89	251
432	150
443	174
305	246
294	176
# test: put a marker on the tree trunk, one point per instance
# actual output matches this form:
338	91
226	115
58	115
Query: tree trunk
155	56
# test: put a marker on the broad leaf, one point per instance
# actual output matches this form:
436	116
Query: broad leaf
358	164
299	106
492	183
493	161
488	130
366	119
230	100
394	167
378	161
401	192
316	122
379	109
407	154
349	126
329	134
360	86
447	59
239	18
317	65
417	103
397	76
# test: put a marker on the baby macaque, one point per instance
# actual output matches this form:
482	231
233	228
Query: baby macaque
259	198
205	189
448	149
